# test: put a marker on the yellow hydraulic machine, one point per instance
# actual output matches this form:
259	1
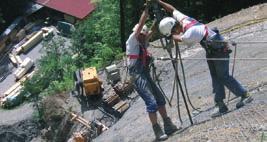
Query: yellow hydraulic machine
87	82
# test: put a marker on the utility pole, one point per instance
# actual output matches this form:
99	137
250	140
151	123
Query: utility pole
122	25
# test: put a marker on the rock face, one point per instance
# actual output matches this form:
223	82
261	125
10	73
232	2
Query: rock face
244	124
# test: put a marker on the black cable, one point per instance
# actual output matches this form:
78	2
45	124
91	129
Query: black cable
178	80
175	84
173	87
184	79
177	87
154	77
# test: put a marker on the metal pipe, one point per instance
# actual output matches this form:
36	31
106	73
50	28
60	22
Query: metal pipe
233	69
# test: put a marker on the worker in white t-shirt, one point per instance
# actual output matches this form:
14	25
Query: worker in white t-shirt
188	30
138	60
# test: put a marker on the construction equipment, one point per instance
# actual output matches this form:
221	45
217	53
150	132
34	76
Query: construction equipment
113	74
89	124
114	104
48	33
87	82
124	89
65	28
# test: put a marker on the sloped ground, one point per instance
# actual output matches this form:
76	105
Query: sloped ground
245	124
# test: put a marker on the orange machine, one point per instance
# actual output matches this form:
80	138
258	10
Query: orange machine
87	82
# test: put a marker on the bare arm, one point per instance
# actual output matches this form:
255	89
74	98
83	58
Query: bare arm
141	22
167	6
152	30
177	38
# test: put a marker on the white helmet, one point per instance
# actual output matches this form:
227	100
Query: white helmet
166	25
144	29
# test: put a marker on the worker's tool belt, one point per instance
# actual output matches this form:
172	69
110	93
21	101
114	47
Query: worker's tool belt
215	45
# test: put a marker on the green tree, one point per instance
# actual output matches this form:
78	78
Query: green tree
96	40
54	70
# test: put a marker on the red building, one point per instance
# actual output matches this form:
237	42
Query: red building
72	9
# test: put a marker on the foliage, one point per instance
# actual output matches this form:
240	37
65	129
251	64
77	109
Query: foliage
97	39
54	69
96	42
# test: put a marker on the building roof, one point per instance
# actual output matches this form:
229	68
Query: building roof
77	8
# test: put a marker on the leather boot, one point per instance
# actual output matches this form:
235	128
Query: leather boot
245	99
220	109
169	127
159	133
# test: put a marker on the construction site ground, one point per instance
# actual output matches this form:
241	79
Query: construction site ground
246	124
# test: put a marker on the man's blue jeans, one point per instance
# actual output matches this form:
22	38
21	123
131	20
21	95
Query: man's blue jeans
219	71
149	91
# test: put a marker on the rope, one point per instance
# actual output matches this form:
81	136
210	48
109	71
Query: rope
222	59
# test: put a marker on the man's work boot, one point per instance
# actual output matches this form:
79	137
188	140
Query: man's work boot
220	109
159	133
245	99
169	127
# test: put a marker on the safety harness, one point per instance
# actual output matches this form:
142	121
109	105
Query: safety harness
207	44
192	22
143	55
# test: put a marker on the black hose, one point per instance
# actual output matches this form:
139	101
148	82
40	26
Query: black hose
178	80
174	84
154	77
184	79
177	87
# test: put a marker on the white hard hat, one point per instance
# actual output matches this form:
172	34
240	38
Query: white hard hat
144	29
166	25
